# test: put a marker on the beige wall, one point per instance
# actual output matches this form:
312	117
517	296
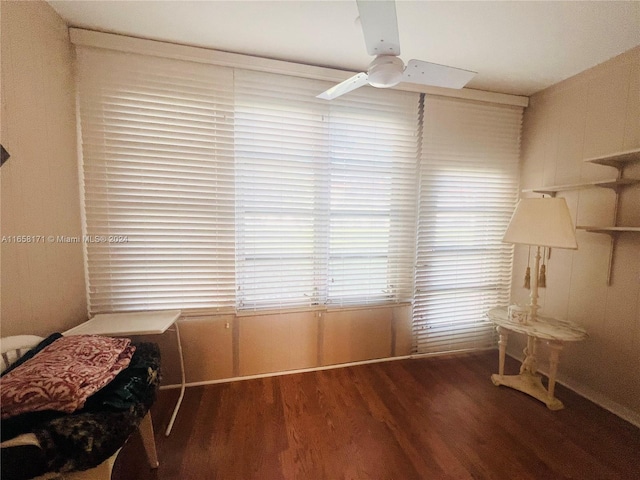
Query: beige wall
594	113
42	283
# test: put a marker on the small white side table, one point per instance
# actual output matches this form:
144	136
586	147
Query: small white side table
138	323
554	332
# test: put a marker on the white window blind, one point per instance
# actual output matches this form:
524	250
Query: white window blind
326	194
281	162
468	190
223	188
372	191
158	182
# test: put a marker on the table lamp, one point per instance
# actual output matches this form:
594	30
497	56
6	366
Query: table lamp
540	222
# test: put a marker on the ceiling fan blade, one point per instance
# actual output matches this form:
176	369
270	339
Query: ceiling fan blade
379	26
348	85
426	73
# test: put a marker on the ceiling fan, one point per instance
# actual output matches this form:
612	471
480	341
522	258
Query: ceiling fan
380	28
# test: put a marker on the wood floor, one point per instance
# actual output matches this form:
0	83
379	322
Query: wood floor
434	418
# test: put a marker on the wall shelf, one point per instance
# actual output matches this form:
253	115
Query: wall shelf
613	233
618	160
610	230
614	184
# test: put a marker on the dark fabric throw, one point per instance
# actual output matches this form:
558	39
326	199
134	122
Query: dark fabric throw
131	386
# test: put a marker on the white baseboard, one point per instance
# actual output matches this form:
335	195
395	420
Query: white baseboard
286	372
596	397
315	369
602	401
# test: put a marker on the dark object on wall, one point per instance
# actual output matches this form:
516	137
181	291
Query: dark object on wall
4	155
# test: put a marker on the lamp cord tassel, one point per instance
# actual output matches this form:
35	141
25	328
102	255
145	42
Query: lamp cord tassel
542	280
527	273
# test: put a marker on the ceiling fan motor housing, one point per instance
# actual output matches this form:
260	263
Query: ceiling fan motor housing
385	71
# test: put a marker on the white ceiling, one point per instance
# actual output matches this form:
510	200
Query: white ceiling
517	47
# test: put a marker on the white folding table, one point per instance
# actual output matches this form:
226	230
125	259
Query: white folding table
138	323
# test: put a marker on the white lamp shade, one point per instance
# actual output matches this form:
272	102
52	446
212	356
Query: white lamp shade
544	222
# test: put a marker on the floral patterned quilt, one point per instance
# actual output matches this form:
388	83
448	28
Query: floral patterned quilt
64	374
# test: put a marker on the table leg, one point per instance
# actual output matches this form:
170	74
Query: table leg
148	440
530	362
502	343
182	382
554	359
